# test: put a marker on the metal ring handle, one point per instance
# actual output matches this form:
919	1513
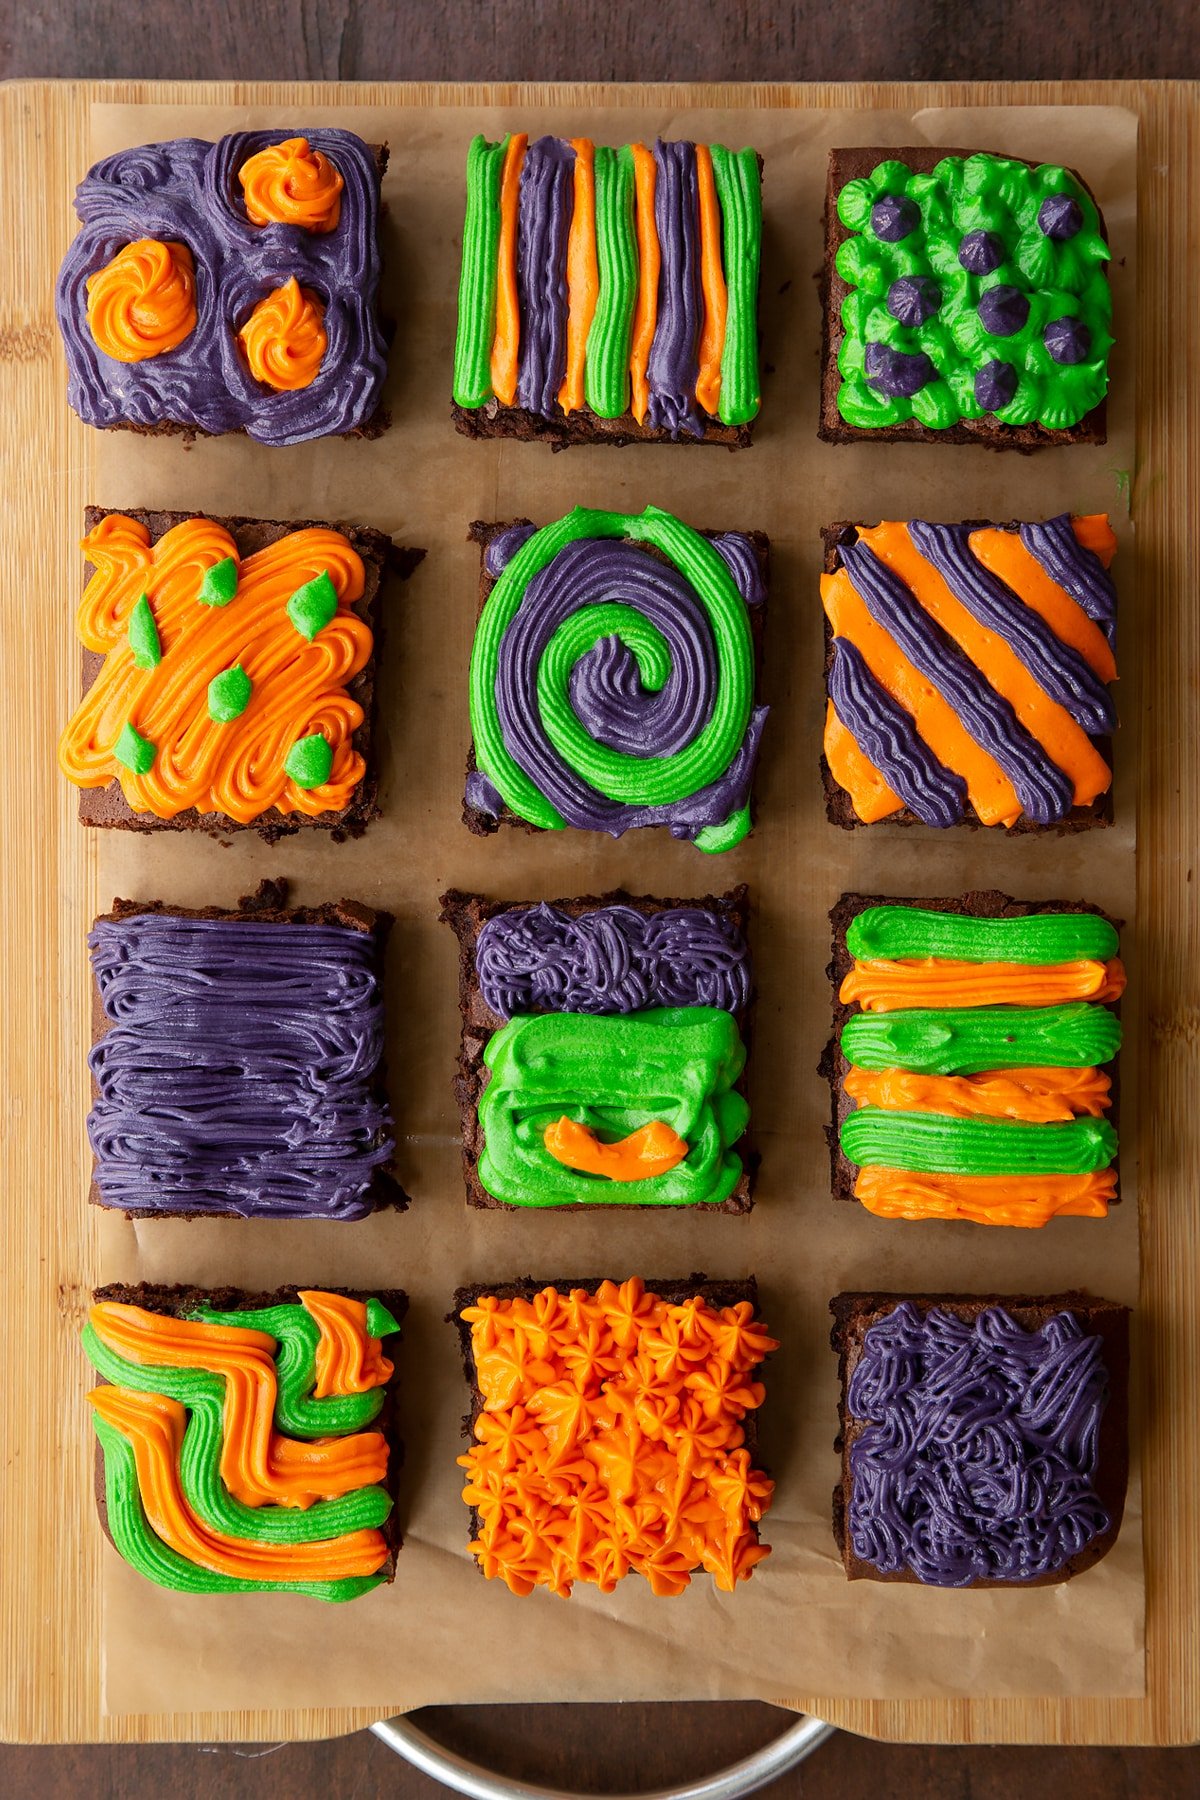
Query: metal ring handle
465	1777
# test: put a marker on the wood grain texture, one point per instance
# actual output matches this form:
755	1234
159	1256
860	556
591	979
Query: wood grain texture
51	1676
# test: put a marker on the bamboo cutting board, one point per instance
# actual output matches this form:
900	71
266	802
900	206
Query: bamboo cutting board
49	1569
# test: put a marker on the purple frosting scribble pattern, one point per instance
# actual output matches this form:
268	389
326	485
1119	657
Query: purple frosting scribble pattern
239	1071
1076	569
978	1459
673	366
888	738
611	960
544	208
187	190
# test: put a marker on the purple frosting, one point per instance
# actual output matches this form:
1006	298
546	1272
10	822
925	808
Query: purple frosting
995	385
504	546
888	737
674	365
239	1073
978	1458
894	217
1077	570
1060	217
1046	793
897	374
981	252
1003	310
611	960
914	299
545	204
1068	341
187	190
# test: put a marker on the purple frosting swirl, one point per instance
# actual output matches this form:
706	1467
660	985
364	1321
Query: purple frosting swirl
888	737
1076	569
978	1459
674	365
546	202
239	1072
613	959
187	190
897	373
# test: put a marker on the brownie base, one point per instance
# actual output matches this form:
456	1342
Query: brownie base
984	903
989	432
584	427
855	1313
839	808
467	914
266	906
177	1300
480	532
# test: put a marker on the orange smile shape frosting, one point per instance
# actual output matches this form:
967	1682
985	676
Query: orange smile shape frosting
651	1150
284	339
290	184
143	302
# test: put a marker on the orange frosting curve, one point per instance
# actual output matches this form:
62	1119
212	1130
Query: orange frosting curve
348	1359
645	312
1029	1200
1039	1096
506	345
583	274
143	302
650	1150
284	339
291	184
881	985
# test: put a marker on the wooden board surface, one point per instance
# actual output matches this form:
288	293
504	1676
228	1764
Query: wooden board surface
50	1622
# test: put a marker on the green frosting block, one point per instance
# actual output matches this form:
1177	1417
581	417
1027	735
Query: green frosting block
477	281
614	1075
229	694
309	761
930	335
912	933
219	584
606	362
934	1144
133	751
312	606
739	191
143	636
971	1040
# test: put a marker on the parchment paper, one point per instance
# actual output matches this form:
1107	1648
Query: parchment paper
441	1634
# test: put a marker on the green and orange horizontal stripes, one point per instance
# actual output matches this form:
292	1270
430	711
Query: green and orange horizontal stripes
976	1064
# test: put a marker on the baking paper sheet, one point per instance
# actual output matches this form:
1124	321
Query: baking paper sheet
798	1629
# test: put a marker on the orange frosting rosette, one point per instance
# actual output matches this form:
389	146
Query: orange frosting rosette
284	339
143	302
291	184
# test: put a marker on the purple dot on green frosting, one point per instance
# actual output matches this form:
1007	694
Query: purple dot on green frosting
913	299
309	761
1060	217
897	374
133	751
995	385
1003	310
893	217
1068	340
980	252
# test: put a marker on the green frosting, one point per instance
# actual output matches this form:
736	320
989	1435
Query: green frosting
309	761
635	780
143	636
477	282
297	1413
971	1040
606	364
1059	279
933	1144
133	750
614	1075
219	584
739	190
229	694
913	933
312	606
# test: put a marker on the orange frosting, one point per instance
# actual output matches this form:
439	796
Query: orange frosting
650	1150
645	312
348	1359
154	1424
1039	1096
289	184
712	284
610	1439
258	1465
284	339
506	345
985	1199
881	985
1006	556
143	302
298	687
583	274
873	798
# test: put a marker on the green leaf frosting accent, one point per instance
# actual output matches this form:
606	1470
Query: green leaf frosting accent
219	584
933	1144
614	1075
312	606
1059	279
309	761
477	282
133	750
973	1039
229	694
606	364
913	933
143	635
739	190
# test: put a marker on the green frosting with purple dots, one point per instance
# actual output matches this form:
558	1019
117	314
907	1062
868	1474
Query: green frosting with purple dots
935	260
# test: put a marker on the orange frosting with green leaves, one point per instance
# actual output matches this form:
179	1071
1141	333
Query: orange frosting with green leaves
611	1441
143	302
291	184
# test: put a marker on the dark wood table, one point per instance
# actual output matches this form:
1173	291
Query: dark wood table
627	1746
